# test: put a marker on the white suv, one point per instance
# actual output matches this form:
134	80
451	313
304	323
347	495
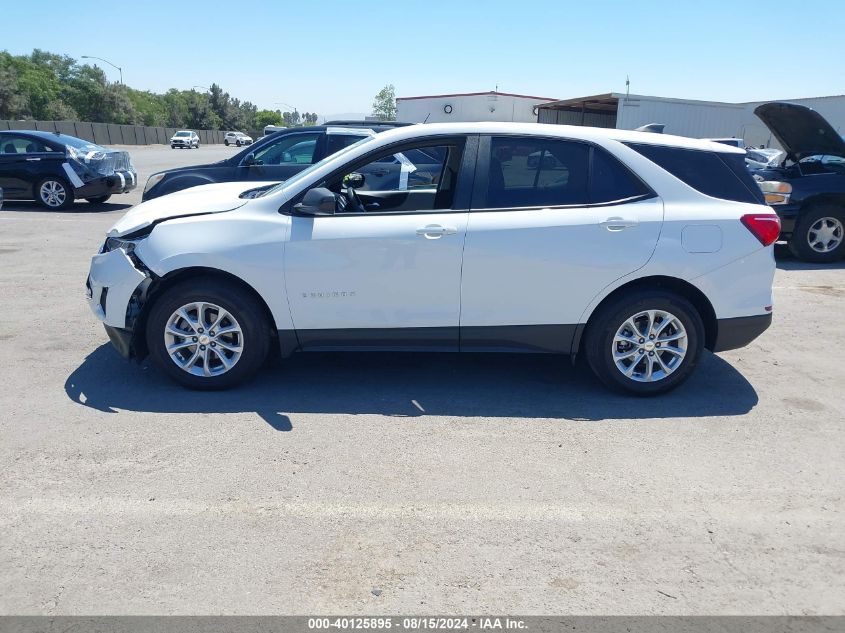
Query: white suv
185	138
637	250
236	138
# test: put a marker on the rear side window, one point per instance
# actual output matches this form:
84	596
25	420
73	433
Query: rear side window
537	172
610	181
720	175
530	172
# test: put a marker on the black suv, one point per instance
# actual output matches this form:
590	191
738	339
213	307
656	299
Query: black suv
808	189
273	158
56	169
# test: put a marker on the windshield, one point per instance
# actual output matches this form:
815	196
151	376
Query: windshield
183	133
78	143
304	174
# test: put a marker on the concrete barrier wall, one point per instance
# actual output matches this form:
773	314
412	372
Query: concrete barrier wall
111	133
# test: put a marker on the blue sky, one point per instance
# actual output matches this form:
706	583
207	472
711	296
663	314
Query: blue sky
332	57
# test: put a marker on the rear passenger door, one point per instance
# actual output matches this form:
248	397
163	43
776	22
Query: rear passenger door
24	161
552	222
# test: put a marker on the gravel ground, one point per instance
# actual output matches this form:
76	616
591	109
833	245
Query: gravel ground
398	483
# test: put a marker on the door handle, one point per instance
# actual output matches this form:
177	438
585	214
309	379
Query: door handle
618	224
32	160
435	231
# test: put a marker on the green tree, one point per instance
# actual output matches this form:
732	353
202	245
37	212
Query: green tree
267	117
384	105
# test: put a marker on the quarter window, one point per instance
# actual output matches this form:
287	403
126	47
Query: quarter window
716	174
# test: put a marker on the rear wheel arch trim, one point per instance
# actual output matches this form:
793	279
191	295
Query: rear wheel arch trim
660	283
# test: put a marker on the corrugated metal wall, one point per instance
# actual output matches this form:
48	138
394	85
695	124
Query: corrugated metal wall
110	133
568	117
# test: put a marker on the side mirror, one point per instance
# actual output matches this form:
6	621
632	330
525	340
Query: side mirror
319	201
249	160
354	180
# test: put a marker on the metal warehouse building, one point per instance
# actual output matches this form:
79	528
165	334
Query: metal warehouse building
469	106
684	117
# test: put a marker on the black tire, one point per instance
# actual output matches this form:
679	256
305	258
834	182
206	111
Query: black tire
226	142
808	220
237	143
599	345
246	310
59	182
172	147
99	199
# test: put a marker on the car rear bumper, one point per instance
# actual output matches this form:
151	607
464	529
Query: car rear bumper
740	331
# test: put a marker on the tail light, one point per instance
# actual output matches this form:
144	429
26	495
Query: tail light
764	226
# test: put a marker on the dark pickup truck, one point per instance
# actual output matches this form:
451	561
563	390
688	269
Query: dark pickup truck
807	190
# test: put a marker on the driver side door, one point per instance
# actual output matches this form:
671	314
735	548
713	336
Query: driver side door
386	271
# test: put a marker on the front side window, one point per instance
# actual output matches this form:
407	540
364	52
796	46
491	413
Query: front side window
537	172
296	149
415	179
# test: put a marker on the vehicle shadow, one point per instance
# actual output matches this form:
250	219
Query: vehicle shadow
77	207
409	385
785	260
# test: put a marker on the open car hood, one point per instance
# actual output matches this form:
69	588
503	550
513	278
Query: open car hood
200	200
801	130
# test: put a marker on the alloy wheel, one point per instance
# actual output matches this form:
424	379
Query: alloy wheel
203	339
825	234
649	346
53	193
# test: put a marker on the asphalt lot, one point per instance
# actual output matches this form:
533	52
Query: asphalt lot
398	483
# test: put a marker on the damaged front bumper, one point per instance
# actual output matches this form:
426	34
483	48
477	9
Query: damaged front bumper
116	289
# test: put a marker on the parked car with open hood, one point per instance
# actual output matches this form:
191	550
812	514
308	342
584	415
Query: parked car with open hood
807	190
56	169
637	250
185	139
273	158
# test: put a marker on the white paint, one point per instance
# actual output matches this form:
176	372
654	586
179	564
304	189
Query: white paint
487	268
474	107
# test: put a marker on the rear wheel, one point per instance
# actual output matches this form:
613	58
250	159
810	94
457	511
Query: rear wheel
54	193
819	234
226	142
645	343
99	199
208	334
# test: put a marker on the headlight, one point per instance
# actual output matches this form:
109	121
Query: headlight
113	243
153	180
775	192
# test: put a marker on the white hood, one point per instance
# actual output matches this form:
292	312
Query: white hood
214	198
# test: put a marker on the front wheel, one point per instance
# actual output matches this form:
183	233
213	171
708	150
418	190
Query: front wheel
645	343
208	334
819	235
54	193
